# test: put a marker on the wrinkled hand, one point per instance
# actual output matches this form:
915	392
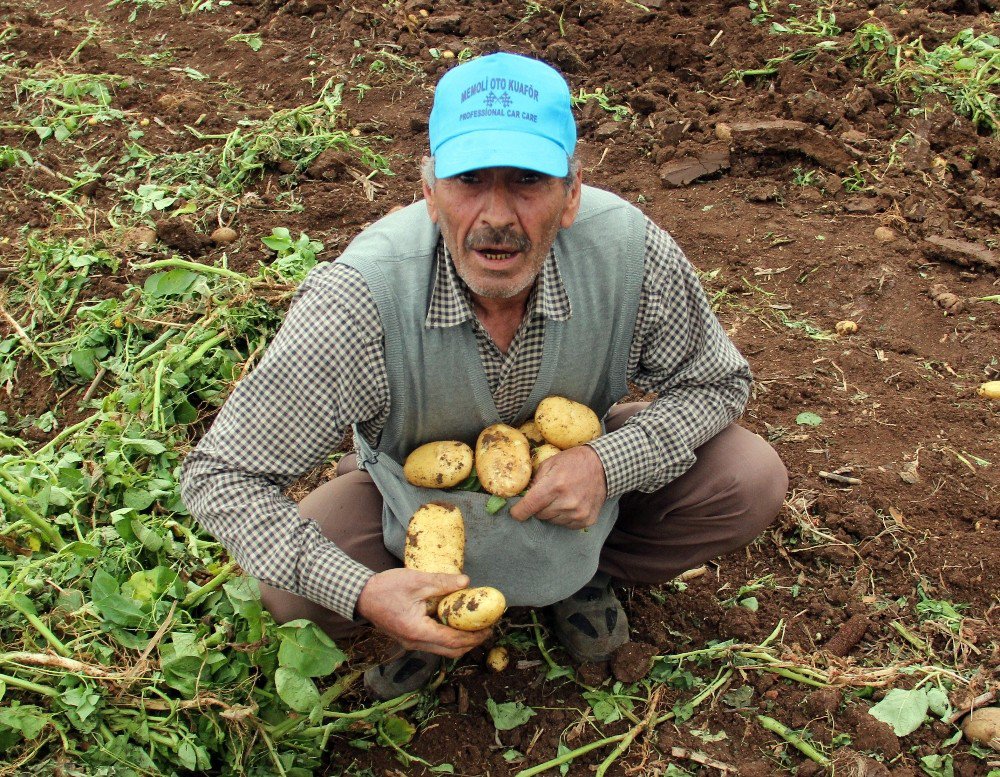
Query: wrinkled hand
568	490
394	602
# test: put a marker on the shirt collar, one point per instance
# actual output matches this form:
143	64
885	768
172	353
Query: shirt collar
450	304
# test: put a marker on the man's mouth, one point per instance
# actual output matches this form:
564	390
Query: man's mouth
496	254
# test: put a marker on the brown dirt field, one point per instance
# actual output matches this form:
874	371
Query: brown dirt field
789	246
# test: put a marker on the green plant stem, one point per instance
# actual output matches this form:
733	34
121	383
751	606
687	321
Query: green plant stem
42	629
69	431
914	640
25	685
152	349
182	264
793	739
541	644
221	577
204	348
38	522
157	419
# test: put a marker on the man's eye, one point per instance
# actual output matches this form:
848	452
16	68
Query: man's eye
468	178
530	178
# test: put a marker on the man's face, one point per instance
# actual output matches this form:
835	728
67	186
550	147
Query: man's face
499	224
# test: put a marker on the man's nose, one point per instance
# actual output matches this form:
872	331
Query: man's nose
498	207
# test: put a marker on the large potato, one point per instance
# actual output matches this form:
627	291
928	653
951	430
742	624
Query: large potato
441	464
503	460
435	539
981	726
472	609
565	423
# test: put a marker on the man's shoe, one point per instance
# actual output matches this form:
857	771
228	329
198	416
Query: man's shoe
406	673
591	624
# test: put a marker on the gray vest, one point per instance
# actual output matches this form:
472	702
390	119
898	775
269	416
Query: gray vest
438	389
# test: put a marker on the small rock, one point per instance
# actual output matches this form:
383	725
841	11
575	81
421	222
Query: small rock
607	130
223	236
885	234
565	57
681	172
448	24
138	237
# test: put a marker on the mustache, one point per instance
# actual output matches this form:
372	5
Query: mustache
491	237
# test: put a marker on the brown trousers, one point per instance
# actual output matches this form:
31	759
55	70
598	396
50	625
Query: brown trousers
727	498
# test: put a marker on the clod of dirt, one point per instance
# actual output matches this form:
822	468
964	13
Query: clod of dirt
961	252
223	236
180	234
631	661
681	172
447	24
607	130
565	57
870	734
723	132
180	102
983	726
950	303
763	191
138	237
848	637
823	702
851	763
885	234
783	137
330	165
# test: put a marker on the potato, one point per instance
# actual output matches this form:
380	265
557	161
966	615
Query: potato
441	464
435	539
983	726
990	389
472	609
565	423
542	453
530	430
503	460
498	658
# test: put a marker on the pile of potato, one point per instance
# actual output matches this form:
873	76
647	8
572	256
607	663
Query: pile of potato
505	458
502	465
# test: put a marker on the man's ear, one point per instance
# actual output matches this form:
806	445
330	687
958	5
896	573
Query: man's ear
429	193
572	206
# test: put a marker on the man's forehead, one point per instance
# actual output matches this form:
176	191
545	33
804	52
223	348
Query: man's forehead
501	171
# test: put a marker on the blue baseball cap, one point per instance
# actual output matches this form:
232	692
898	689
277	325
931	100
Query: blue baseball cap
502	110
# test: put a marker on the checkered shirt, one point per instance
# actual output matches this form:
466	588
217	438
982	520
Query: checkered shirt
325	370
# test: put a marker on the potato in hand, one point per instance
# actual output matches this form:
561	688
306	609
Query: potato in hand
565	423
440	464
472	609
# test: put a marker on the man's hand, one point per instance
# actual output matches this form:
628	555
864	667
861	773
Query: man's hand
568	490
395	601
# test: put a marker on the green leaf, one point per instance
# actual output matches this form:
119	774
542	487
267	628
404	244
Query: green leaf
508	715
738	698
808	419
937	701
111	604
152	447
170	283
137	498
750	603
307	649
903	710
26	718
295	689
397	729
938	765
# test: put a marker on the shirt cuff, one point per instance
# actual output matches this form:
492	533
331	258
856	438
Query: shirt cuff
624	453
333	579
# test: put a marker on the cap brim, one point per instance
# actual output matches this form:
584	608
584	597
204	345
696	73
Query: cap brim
500	148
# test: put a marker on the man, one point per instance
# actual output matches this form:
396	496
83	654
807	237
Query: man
510	282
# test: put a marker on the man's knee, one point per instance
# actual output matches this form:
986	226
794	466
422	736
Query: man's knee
758	483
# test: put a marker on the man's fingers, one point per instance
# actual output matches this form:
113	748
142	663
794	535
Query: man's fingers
533	502
441	584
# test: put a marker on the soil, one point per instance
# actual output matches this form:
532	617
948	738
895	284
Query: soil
895	492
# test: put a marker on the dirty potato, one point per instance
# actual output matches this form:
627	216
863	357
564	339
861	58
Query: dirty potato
503	460
472	609
565	423
440	464
435	539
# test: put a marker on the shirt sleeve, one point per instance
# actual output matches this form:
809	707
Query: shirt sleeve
282	420
680	352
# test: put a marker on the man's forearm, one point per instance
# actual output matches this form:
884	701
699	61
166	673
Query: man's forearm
265	533
656	445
